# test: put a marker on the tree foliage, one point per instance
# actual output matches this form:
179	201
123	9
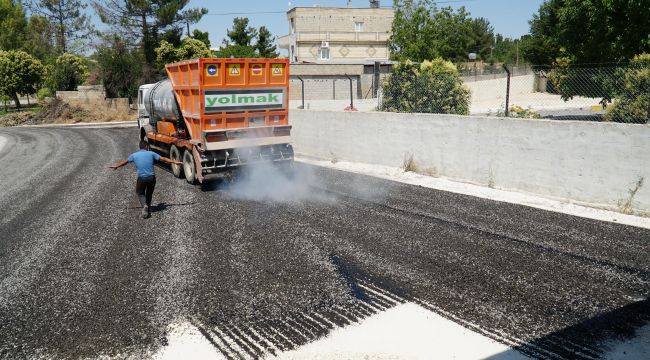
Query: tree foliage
423	31
241	34
429	87
244	41
588	32
236	51
190	48
67	72
12	25
202	36
68	20
143	22
120	67
264	45
39	39
632	105
20	74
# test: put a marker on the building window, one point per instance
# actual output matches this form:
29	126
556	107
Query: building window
323	53
293	25
358	26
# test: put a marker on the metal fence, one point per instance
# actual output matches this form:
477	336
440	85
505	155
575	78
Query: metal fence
615	94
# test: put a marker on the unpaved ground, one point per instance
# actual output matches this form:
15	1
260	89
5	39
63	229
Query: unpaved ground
81	275
56	111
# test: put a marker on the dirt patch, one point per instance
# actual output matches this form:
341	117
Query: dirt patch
57	111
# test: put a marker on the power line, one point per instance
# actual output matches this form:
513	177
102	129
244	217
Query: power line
247	13
284	12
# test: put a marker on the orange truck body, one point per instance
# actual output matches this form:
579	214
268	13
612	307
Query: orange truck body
227	113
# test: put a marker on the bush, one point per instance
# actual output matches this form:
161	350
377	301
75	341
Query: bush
43	93
67	72
430	87
519	112
633	104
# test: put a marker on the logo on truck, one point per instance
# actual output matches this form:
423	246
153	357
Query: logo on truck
233	100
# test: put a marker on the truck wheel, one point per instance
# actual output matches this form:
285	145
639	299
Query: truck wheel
188	167
175	155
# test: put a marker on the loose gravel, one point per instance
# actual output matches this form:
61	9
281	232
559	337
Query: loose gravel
264	269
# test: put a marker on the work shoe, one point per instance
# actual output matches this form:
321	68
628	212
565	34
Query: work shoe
145	212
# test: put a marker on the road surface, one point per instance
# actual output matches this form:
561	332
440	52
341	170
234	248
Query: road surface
274	264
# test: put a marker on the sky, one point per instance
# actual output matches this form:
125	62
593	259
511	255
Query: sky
508	17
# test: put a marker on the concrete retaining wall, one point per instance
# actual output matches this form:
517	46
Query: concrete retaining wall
600	164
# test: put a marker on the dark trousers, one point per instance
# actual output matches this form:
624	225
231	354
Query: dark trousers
144	188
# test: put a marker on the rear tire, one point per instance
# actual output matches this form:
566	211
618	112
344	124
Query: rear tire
188	167
175	155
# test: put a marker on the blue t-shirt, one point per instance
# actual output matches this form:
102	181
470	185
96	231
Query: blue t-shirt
144	160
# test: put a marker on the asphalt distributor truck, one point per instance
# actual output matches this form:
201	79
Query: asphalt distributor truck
216	115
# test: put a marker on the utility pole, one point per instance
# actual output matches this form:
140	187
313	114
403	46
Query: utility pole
188	29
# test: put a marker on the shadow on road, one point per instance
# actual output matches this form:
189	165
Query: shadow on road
164	206
160	207
585	340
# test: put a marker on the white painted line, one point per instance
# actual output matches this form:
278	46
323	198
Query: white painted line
185	341
407	331
3	141
398	175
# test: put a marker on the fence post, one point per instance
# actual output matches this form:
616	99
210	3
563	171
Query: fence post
507	90
351	107
302	82
647	120
375	79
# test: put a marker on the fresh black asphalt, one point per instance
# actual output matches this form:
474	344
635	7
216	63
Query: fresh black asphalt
274	262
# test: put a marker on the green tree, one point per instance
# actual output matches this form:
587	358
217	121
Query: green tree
67	72
20	74
505	50
240	34
202	36
588	32
68	20
412	30
38	39
423	31
143	21
119	67
190	48
173	36
236	51
264	45
481	38
12	25
542	47
239	41
632	105
429	87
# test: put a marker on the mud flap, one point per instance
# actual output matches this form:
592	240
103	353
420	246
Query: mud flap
197	165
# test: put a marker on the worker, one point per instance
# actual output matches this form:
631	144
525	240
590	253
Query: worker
144	160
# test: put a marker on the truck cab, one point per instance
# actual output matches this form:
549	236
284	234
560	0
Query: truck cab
144	121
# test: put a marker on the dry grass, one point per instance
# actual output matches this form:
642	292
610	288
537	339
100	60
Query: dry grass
57	111
409	164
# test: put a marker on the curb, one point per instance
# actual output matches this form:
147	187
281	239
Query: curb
114	124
